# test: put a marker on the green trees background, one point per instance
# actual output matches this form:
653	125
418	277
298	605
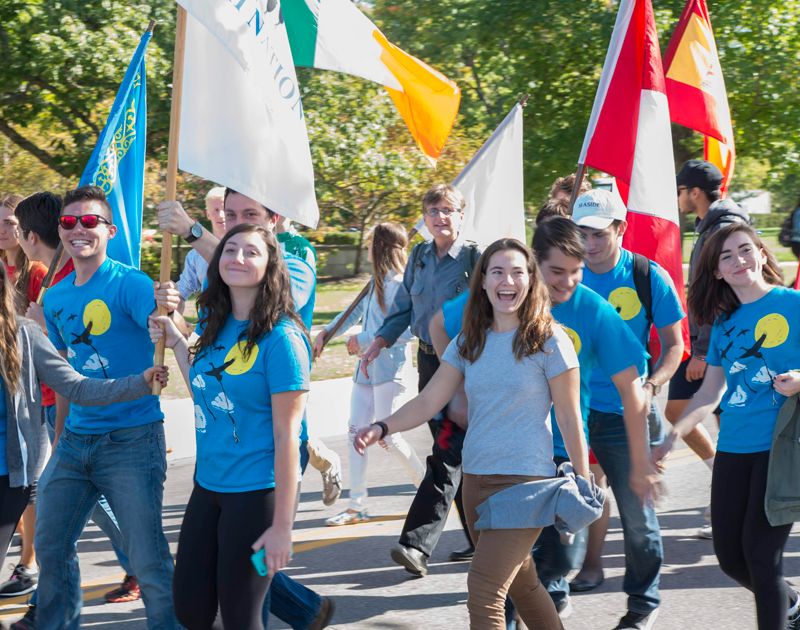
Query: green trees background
63	60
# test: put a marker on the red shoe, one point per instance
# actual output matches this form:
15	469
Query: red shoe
128	591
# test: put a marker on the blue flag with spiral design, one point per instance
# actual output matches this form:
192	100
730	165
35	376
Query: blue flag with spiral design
117	162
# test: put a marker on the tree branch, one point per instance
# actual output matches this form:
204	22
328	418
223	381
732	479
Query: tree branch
26	145
469	61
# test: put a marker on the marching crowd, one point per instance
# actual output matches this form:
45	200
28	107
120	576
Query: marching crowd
528	467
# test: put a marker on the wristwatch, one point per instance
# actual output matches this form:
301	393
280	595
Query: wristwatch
656	388
195	232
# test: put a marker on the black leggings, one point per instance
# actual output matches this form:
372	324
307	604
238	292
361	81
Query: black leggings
13	502
213	564
748	548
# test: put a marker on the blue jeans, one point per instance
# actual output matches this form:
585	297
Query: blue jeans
287	599
128	467
641	531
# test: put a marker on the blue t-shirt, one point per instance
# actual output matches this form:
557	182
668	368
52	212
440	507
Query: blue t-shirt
618	288
102	326
233	403
453	313
603	342
3	429
756	343
303	279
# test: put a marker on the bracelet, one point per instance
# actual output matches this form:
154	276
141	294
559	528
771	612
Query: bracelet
384	429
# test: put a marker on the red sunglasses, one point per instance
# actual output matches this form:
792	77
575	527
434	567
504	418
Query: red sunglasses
89	221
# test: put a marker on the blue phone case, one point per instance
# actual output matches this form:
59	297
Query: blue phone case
259	562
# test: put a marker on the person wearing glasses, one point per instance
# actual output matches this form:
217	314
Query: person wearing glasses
436	271
97	317
752	366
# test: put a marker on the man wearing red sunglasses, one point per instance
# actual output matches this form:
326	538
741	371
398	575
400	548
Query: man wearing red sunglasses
97	317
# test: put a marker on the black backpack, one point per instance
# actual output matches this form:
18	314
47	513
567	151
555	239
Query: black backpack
641	281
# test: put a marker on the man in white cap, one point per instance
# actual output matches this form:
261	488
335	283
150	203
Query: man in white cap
644	296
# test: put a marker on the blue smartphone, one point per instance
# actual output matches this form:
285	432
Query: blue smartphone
259	560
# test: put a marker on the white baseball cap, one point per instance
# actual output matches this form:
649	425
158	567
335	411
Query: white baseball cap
598	208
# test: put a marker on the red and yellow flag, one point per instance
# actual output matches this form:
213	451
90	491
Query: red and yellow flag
696	88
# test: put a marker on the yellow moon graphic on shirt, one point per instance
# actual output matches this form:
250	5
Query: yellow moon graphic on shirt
97	312
626	302
574	337
775	327
240	364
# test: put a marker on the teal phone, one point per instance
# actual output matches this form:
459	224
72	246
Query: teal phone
259	560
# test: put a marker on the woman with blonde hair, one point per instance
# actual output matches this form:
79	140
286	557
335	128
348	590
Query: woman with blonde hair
381	392
515	362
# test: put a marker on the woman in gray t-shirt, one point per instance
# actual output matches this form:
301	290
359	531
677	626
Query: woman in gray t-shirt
515	362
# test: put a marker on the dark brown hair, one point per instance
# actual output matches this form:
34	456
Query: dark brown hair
88	193
535	320
10	361
565	185
389	241
560	233
551	208
231	191
273	300
711	297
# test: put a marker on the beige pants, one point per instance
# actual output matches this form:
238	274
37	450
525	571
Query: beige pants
320	456
503	565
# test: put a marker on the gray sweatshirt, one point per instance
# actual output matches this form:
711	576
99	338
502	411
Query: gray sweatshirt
26	446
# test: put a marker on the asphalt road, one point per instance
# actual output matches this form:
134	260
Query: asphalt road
352	565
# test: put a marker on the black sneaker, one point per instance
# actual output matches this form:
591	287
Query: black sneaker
23	580
28	622
639	621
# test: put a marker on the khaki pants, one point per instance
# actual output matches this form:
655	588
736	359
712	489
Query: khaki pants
503	565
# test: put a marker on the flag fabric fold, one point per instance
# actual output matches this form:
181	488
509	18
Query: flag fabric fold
335	35
241	119
696	88
629	137
493	186
117	162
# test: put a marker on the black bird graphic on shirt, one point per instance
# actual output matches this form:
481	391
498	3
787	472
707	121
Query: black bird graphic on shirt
85	338
71	317
755	350
216	372
728	332
724	353
742	332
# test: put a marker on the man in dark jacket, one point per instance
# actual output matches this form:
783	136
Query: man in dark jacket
699	194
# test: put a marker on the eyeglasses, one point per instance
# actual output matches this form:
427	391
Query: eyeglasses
89	221
445	212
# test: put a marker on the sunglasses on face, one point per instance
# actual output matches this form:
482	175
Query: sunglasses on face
89	221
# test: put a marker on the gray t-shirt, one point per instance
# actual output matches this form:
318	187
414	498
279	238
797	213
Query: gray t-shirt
509	404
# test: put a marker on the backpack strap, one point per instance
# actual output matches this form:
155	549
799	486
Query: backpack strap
472	259
641	280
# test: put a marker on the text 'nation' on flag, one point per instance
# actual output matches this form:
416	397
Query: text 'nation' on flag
629	137
696	88
241	118
335	35
117	162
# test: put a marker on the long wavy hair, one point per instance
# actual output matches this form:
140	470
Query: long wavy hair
711	297
273	300
20	262
389	241
535	320
10	360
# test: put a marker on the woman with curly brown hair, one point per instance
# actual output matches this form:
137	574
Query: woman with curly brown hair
249	376
514	362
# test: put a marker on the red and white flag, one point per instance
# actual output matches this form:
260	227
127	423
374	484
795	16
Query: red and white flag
696	88
629	137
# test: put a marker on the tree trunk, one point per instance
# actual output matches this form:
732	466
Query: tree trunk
40	154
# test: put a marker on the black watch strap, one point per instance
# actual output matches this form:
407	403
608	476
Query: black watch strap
195	232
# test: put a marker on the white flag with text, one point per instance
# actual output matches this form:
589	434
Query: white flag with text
242	122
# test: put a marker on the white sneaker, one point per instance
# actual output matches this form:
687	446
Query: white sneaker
348	517
332	481
705	530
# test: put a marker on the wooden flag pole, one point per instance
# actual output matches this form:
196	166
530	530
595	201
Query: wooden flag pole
51	271
172	168
579	175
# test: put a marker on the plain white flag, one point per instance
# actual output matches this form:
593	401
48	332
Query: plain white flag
492	184
242	122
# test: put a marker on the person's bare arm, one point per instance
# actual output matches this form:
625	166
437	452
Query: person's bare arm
457	409
174	219
671	338
644	479
565	392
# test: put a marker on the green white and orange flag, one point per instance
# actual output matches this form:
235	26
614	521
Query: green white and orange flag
696	88
335	35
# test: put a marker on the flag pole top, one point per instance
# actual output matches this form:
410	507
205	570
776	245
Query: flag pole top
523	100
151	27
